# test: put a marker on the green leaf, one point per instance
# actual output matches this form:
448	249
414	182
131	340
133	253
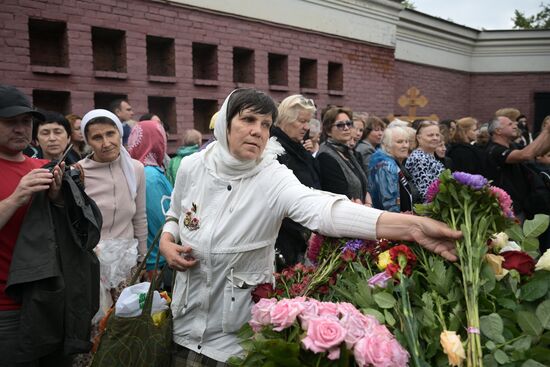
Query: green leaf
522	344
534	290
489	361
377	314
491	345
390	320
536	226
384	300
530	244
507	303
491	326
529	323
501	357
515	233
543	314
532	363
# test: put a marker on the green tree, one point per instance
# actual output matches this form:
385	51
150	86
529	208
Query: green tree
409	4
541	20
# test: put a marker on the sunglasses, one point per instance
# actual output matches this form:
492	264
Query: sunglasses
341	125
306	101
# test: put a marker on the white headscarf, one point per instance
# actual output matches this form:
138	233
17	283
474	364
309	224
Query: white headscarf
224	164
125	159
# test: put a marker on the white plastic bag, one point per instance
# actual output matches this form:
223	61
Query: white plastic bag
132	300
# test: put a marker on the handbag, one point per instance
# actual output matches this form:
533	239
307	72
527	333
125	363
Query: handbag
137	341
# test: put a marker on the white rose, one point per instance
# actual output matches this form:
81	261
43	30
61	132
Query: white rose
499	240
511	246
544	262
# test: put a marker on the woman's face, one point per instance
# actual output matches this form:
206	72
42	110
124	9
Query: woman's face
105	140
359	128
248	135
375	136
76	134
452	129
441	150
471	134
341	129
428	138
296	129
53	139
399	146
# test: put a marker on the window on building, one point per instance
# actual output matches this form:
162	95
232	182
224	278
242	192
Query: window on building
48	43
203	110
277	69
335	76
165	108
161	57
308	73
51	100
109	48
243	65
205	61
103	100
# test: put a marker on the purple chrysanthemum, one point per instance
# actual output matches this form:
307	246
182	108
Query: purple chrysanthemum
353	245
476	182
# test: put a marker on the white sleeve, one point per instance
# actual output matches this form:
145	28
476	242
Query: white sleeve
323	212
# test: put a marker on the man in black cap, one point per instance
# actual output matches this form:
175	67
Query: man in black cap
21	178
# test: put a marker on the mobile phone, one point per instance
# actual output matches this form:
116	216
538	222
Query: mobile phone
306	136
69	147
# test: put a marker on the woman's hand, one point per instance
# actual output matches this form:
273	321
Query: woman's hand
430	234
178	257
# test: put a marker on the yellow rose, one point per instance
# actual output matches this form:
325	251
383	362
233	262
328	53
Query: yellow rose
544	262
499	240
453	348
384	259
495	261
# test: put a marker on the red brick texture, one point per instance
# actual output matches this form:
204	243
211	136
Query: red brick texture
455	94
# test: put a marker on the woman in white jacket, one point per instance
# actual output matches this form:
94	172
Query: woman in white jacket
227	207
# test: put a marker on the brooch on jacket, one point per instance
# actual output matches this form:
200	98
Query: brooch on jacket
191	221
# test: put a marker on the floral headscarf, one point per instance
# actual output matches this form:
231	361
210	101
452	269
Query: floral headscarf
147	143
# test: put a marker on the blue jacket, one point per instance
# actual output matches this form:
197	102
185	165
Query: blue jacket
383	173
157	186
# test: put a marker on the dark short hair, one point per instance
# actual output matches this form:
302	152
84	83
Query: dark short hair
97	121
248	98
146	117
51	117
115	105
329	117
372	123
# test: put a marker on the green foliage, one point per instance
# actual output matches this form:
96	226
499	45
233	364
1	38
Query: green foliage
541	20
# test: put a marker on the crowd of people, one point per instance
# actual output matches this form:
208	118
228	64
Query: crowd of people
242	205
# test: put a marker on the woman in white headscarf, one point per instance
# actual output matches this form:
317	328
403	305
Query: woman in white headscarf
227	206
116	182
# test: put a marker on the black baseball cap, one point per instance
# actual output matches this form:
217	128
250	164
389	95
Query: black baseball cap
13	102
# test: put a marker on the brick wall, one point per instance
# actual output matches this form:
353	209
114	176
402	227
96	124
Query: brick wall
368	71
454	94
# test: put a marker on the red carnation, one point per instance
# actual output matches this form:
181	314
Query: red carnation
264	290
518	260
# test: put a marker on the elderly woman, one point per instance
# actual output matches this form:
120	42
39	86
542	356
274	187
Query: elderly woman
227	207
370	140
295	113
390	184
116	182
147	144
422	163
466	157
340	170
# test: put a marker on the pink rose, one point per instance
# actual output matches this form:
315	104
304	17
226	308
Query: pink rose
380	349
261	313
309	312
283	313
355	328
328	308
325	334
347	308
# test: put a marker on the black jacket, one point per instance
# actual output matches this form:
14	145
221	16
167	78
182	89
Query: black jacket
466	158
292	239
54	273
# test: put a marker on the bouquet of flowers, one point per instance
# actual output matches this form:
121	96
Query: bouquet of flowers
307	332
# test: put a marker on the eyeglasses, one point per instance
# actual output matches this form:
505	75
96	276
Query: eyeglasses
306	101
341	125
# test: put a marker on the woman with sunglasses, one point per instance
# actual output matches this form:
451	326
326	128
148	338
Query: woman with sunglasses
341	172
422	163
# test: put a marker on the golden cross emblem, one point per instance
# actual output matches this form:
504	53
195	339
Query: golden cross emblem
413	99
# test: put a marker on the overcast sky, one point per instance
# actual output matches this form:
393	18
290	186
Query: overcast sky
488	14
